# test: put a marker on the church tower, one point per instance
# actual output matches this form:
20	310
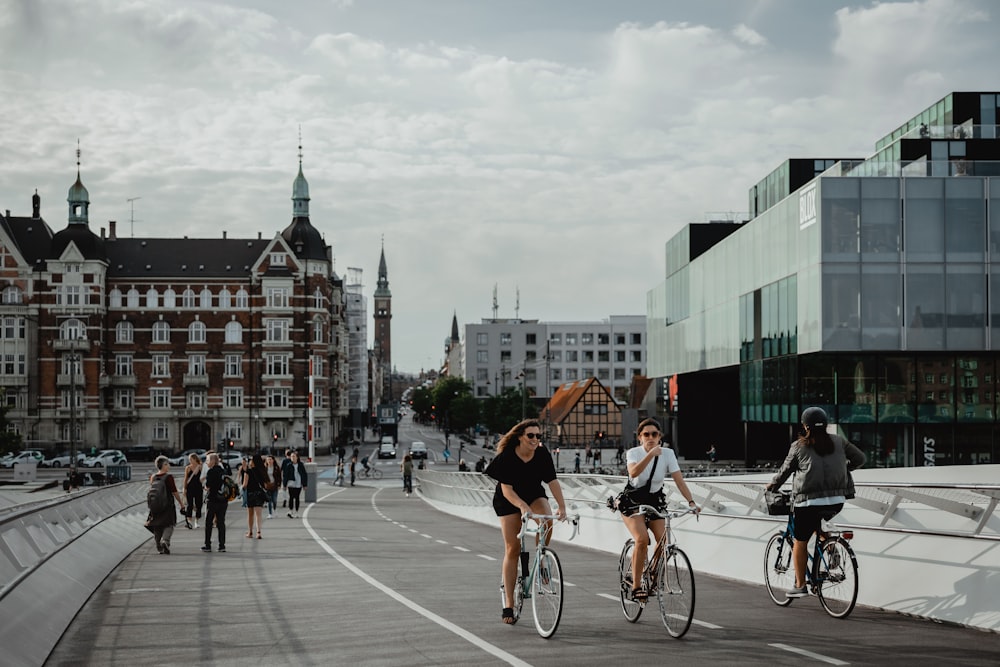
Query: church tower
383	318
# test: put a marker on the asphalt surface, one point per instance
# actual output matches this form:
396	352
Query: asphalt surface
369	576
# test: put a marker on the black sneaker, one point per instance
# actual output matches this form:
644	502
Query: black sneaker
222	549
206	548
165	550
159	547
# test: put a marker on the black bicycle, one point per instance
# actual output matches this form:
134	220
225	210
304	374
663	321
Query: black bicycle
832	574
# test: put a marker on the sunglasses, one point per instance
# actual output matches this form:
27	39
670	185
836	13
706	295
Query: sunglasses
650	434
533	436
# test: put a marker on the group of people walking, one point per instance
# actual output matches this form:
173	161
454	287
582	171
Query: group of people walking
820	461
258	477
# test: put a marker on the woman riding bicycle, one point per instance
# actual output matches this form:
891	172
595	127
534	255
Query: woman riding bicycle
648	464
821	486
520	467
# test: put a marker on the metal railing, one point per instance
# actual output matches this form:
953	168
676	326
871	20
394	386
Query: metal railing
954	510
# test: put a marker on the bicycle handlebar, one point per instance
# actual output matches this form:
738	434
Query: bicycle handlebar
574	518
668	513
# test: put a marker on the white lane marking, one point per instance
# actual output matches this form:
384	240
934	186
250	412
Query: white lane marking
412	530
809	654
610	597
566	583
425	535
462	549
475	640
485	557
128	591
695	621
440	541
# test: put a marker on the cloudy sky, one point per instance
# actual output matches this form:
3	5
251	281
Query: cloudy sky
549	148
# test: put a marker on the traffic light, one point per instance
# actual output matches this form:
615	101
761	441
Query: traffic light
275	437
231	444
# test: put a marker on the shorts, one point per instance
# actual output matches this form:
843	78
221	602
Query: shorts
504	507
629	504
807	519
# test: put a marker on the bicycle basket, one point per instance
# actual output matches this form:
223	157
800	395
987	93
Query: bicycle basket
778	503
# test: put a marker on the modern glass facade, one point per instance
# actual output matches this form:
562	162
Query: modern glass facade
874	297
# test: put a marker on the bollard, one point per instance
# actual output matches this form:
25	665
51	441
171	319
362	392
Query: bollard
312	478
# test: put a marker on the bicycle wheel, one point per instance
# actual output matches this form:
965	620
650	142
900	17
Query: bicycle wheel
630	607
779	572
547	593
837	585
376	473
675	592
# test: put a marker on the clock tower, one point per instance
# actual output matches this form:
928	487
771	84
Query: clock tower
383	320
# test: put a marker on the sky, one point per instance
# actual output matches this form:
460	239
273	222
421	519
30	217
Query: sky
545	148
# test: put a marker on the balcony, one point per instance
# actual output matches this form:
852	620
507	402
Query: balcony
197	413
120	380
71	345
68	379
194	380
124	413
13	381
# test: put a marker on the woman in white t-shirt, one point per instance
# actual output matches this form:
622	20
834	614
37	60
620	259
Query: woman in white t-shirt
648	465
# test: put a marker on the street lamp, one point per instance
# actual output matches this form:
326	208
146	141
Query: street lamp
520	376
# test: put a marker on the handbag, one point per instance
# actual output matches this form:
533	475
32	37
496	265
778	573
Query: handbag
631	497
778	503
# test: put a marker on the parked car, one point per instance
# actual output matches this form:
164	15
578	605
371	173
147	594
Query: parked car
141	453
387	449
25	456
104	458
182	458
63	460
232	458
418	450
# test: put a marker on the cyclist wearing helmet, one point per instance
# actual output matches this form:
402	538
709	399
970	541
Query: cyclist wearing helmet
822	461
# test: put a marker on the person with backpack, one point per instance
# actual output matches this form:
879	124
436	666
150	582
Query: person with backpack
216	502
162	515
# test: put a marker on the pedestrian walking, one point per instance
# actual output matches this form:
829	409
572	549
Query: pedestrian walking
406	467
294	479
339	479
194	491
162	515
254	479
272	484
576	462
588	454
354	465
216	502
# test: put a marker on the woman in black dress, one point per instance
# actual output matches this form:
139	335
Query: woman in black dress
520	467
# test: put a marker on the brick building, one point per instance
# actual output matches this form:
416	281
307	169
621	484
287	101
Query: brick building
174	342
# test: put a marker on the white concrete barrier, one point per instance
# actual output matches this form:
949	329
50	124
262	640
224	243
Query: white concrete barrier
929	546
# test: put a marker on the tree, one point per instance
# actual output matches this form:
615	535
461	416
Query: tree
422	402
501	412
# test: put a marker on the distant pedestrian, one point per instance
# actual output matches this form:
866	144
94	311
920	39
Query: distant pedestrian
481	464
576	462
193	490
273	483
162	518
597	457
462	467
620	456
339	479
406	467
354	466
216	502
254	479
284	495
711	453
293	477
588	454
340	454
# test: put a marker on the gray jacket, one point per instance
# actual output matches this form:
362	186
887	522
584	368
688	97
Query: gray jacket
820	476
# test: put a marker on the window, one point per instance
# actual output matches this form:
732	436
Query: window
234	332
14	364
505	338
161	365
277	297
571	339
277	364
278	259
187	298
196	400
318	431
572	355
277	331
123	364
619	373
234	365
13	328
619	355
124	332
71	365
123	431
603	373
67	398
555	356
587	372
152	298
159	398
277	398
124	399
242	299
483	356
72	329
132	298
225	299
115	298
602	339
571	374
482	339
587	339
161	332
588	356
233	397
12	295
318	331
318	299
482	374
161	431
196	364
196	332
556	374
635	355
169	298
529	339
317	366
530	355
205	298
619	339
637	339
555	338
234	430
504	355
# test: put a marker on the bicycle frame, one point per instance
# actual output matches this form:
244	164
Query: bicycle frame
541	531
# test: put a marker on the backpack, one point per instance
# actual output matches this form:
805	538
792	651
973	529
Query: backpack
157	498
229	490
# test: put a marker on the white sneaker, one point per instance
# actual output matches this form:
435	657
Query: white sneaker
195	524
270	516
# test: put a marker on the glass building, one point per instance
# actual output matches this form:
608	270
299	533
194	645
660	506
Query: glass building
870	288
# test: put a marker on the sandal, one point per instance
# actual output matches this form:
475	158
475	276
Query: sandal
249	534
640	594
507	615
258	535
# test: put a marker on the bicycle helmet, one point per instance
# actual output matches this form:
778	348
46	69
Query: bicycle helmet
814	417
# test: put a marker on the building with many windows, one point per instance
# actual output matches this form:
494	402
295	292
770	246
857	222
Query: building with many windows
178	343
870	288
544	355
